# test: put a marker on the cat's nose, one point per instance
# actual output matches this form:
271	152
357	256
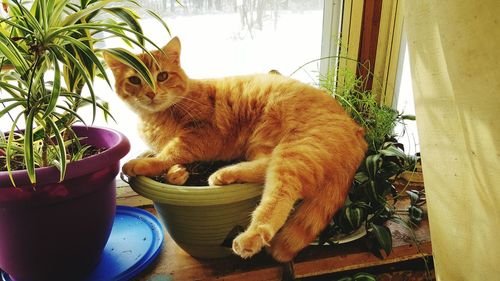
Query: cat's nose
150	95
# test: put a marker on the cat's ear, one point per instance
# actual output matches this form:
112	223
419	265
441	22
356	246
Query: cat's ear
173	50
111	61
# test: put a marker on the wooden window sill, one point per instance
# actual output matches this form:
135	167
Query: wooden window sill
174	264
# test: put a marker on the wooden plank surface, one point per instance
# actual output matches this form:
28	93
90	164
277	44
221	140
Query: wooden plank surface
173	264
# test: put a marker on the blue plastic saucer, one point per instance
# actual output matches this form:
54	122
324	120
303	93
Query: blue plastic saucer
135	241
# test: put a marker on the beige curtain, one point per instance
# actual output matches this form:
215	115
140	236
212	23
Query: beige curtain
455	62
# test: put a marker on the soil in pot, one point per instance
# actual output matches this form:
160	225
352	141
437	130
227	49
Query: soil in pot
17	162
199	172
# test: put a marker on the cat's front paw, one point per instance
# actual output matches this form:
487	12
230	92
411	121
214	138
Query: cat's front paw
251	241
177	174
143	167
223	176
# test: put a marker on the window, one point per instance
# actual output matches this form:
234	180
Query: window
403	101
224	38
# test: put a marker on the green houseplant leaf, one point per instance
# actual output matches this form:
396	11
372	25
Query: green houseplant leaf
383	237
28	143
354	216
62	148
391	150
130	17
131	60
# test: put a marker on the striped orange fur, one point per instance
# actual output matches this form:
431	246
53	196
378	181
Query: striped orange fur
292	137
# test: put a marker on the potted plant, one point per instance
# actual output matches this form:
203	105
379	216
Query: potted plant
200	218
57	187
373	195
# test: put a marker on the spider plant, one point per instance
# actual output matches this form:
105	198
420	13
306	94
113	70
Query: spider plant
49	62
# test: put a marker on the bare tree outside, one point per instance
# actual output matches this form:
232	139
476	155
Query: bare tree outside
253	13
207	6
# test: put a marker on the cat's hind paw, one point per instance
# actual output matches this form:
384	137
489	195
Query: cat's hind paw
177	174
251	241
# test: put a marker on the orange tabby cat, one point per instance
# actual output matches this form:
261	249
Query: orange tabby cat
294	138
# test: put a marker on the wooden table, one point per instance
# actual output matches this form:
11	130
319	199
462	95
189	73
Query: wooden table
173	264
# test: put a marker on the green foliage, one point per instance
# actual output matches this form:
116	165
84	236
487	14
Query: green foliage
372	196
41	156
378	120
48	56
417	200
369	202
382	236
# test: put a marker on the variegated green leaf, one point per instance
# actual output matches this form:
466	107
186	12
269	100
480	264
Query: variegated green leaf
72	113
83	74
115	29
133	61
20	10
160	20
16	92
372	163
8	150
383	236
88	53
354	216
61	146
12	106
56	90
16	25
361	177
370	190
28	146
72	19
79	154
89	101
391	150
9	51
130	18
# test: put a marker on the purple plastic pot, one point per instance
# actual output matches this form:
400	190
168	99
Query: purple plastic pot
58	230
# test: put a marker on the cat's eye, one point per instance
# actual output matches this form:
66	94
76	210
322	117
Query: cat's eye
134	80
162	76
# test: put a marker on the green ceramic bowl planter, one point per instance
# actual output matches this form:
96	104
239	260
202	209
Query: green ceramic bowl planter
199	218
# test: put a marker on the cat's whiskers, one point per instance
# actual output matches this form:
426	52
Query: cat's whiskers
193	101
190	116
191	119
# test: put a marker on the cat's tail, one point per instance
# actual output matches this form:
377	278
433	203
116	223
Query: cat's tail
303	226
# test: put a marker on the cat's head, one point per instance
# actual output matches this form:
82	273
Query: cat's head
171	80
